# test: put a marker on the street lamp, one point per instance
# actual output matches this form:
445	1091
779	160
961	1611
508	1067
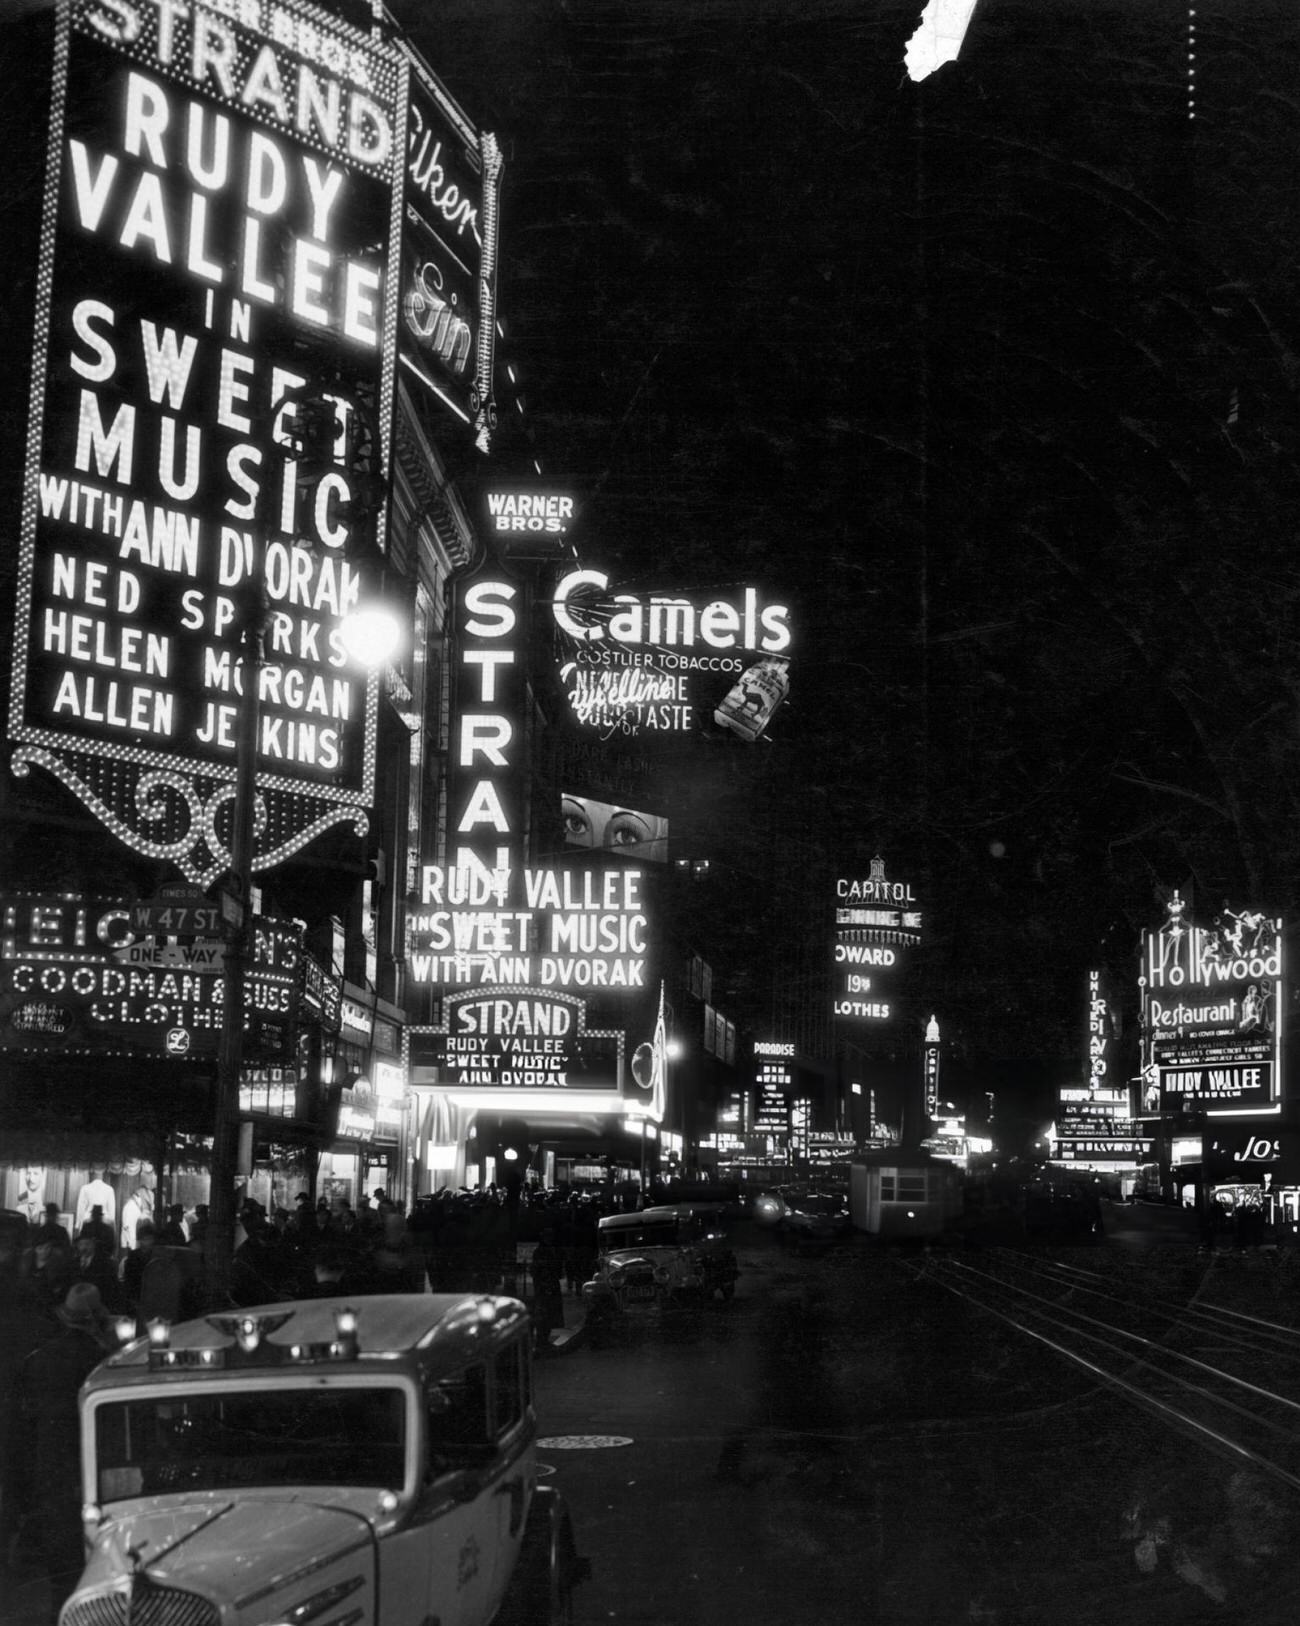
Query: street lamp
371	635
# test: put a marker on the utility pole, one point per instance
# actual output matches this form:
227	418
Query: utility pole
220	1244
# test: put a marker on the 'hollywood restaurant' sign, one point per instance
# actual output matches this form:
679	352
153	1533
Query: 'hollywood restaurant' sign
1212	1006
217	195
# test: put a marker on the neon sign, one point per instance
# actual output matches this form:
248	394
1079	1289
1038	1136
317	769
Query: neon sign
558	928
1212	1012
585	609
76	976
876	922
634	661
512	513
492	932
453	185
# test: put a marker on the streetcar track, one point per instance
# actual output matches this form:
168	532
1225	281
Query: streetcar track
1050	1321
1149	1343
1287	1338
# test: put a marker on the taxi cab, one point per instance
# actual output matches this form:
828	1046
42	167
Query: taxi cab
316	1461
669	1258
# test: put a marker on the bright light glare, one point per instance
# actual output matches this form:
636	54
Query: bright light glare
371	634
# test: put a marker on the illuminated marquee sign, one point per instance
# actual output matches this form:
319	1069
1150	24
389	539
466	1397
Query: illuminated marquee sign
219	204
450	250
1098	1032
1225	1154
827	1148
515	514
876	923
1212	1013
485	773
72	980
559	928
1117	1149
932	1060
524	1039
1091	1104
529	1040
636	664
489	924
270	1091
774	1078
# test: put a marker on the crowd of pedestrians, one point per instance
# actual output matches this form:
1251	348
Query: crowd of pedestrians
483	1241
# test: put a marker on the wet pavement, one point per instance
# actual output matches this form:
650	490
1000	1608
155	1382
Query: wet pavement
850	1442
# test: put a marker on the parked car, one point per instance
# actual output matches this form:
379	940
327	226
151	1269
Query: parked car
309	1460
661	1260
814	1219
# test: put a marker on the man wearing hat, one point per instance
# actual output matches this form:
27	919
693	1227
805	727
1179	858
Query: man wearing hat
133	1266
51	1228
99	1228
152	1279
43	1472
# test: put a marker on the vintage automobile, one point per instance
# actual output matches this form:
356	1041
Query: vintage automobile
318	1462
813	1219
658	1261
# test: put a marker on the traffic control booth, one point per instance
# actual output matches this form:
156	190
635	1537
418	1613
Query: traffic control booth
899	1193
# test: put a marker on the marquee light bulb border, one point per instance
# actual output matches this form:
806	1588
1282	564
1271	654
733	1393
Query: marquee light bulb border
134	789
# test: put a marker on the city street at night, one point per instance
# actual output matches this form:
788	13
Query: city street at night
855	1439
651	753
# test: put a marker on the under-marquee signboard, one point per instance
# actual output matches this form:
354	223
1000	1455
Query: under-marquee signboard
221	202
529	1041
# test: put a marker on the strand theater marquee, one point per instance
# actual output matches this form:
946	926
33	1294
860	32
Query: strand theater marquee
543	973
222	199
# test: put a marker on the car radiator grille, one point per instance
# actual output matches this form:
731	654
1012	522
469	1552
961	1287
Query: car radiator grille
150	1606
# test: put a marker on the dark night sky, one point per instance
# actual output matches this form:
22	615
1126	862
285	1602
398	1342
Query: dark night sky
994	376
993	379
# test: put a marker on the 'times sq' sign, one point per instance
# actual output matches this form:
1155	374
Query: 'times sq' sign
219	211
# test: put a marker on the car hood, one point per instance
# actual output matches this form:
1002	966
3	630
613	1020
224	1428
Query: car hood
641	1256
232	1551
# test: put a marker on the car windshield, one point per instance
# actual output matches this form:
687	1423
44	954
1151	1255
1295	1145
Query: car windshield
655	1234
220	1440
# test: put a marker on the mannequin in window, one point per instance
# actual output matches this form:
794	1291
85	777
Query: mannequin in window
95	1192
31	1193
138	1206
